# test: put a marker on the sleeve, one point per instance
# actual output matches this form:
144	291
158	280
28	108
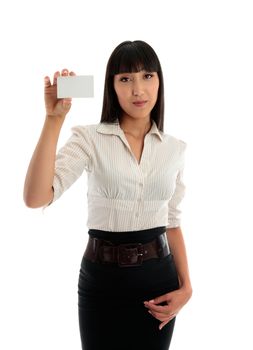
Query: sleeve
71	160
174	208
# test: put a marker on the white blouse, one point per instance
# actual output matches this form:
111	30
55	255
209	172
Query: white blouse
124	195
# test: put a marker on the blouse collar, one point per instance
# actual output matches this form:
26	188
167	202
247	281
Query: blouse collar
115	129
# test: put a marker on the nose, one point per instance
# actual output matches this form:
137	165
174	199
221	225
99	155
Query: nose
137	88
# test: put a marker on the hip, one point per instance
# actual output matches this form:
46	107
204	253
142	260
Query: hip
153	278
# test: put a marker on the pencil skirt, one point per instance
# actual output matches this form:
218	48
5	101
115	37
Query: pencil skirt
111	311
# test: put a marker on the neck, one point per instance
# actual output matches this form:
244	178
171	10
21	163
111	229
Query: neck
136	127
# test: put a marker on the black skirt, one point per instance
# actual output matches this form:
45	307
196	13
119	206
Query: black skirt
110	298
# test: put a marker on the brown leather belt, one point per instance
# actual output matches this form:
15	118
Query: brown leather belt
126	255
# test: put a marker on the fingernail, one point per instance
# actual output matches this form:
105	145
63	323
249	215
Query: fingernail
151	301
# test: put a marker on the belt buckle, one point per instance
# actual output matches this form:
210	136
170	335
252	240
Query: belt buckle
130	254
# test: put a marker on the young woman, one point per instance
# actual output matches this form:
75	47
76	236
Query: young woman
134	276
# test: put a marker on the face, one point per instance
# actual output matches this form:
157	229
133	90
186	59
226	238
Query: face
137	92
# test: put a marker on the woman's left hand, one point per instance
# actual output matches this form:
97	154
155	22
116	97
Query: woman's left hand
174	301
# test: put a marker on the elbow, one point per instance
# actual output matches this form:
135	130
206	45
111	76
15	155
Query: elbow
33	202
32	205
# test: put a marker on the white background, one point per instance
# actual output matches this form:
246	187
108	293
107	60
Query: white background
205	48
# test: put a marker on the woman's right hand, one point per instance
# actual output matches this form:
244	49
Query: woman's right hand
56	107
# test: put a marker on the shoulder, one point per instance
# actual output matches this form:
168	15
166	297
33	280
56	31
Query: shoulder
84	130
175	143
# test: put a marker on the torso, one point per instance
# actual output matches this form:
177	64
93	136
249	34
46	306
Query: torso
136	146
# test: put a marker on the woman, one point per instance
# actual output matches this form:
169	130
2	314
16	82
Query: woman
134	276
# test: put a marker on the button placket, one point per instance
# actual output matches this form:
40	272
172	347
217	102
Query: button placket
139	195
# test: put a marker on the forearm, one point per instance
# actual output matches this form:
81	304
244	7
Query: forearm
178	250
39	178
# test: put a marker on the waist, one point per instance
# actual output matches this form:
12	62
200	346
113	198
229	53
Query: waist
117	237
125	215
126	248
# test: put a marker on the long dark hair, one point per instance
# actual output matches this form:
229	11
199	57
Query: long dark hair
131	56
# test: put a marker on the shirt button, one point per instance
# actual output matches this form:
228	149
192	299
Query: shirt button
141	184
137	214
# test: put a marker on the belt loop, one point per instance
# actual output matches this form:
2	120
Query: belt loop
162	245
95	248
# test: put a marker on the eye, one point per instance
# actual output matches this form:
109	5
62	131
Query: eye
149	76
124	79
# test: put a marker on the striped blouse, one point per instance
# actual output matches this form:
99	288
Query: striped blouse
124	195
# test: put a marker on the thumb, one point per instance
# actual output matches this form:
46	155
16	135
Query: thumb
66	105
66	102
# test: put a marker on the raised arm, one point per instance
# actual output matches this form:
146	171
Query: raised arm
38	190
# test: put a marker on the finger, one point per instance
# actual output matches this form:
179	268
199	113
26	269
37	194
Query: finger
161	298
158	300
47	81
56	75
64	72
161	325
158	308
160	317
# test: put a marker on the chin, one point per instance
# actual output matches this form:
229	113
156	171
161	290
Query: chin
141	114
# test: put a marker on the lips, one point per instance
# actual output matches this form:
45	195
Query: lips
139	103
